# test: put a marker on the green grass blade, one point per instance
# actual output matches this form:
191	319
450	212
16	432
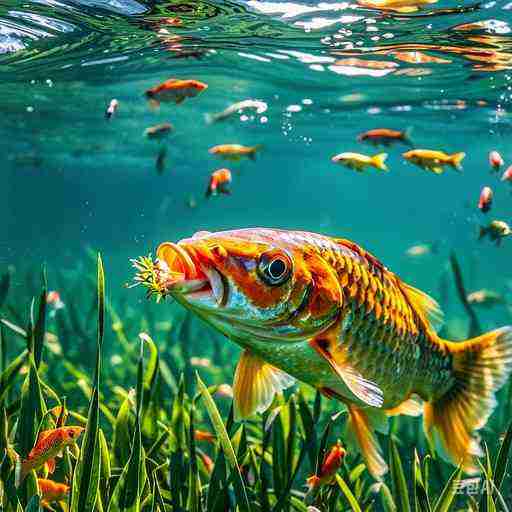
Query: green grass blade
398	481
40	324
86	478
448	493
10	373
222	436
349	495
500	467
33	505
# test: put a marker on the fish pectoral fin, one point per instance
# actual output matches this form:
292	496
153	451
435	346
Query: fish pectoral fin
180	99
437	169
361	426
413	406
50	465
255	385
364	389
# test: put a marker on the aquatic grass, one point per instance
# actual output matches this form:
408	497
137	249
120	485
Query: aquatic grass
139	451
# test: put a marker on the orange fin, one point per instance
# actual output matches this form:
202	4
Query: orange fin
50	465
361	427
456	160
367	391
480	367
424	305
255	385
411	407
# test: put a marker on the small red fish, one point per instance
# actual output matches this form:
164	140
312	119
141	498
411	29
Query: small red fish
485	201
111	109
385	136
175	90
219	182
331	464
50	443
507	175
495	160
55	302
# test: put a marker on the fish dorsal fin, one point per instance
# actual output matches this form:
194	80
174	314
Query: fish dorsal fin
255	385
424	305
364	389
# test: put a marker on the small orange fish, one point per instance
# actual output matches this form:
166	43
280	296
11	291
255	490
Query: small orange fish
206	460
385	136
507	175
203	435
331	463
219	182
495	160
416	57
434	161
174	90
51	491
235	151
50	444
485	200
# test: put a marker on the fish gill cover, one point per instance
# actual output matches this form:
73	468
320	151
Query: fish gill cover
128	123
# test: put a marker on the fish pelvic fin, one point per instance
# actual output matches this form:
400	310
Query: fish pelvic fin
480	367
456	160
255	385
379	160
361	426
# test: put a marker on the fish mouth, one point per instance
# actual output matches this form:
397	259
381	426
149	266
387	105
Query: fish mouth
185	277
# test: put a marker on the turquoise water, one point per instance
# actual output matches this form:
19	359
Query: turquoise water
72	181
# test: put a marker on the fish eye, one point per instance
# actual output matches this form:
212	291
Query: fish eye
275	268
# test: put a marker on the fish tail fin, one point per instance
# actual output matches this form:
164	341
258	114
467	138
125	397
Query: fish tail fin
361	427
254	150
456	160
480	366
379	161
407	136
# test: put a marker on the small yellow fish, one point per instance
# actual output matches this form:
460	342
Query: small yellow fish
496	231
235	151
50	443
359	162
419	250
485	298
434	161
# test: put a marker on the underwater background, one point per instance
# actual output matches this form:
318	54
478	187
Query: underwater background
73	183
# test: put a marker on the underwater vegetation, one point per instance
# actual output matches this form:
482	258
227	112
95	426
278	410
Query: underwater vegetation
157	432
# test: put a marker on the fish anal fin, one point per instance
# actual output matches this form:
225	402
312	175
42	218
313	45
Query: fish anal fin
413	406
255	385
365	390
361	427
424	305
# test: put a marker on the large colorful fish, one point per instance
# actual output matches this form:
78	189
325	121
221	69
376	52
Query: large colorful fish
326	312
